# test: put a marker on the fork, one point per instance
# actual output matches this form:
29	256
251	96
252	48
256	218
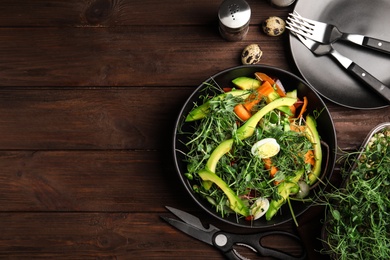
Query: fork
357	71
328	33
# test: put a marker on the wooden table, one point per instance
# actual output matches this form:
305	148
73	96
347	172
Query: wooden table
89	94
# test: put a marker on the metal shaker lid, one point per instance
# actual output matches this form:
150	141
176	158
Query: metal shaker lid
234	14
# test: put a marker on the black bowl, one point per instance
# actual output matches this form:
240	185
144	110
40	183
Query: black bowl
325	128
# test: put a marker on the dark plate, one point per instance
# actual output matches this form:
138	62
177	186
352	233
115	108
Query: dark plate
370	18
325	128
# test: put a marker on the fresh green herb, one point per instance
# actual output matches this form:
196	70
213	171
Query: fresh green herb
358	223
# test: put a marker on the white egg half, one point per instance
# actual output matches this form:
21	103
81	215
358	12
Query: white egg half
259	208
265	148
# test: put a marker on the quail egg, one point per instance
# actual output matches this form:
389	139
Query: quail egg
251	54
259	208
265	148
274	26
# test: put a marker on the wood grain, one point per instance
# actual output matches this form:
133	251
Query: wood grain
127	181
121	56
89	93
110	13
115	118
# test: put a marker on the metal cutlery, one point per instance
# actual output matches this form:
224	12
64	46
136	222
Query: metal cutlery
357	71
328	33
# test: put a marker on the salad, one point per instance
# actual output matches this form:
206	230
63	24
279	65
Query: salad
252	148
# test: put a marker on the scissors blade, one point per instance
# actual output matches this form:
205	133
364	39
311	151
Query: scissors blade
192	220
191	230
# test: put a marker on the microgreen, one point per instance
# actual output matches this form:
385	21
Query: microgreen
359	212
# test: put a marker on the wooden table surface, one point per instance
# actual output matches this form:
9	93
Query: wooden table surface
89	94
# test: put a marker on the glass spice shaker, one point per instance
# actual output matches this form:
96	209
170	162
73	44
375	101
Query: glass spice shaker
234	17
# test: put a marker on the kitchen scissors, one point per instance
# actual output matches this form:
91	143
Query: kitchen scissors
225	241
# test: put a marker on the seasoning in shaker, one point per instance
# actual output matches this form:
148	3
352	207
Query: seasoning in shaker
234	17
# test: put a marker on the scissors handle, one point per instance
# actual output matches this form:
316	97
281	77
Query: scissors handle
225	241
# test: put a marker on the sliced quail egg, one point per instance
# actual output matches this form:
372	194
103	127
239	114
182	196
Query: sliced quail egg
259	208
266	148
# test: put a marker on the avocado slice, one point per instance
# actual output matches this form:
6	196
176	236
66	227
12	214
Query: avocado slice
249	127
246	83
314	137
235	203
222	148
284	190
292	93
